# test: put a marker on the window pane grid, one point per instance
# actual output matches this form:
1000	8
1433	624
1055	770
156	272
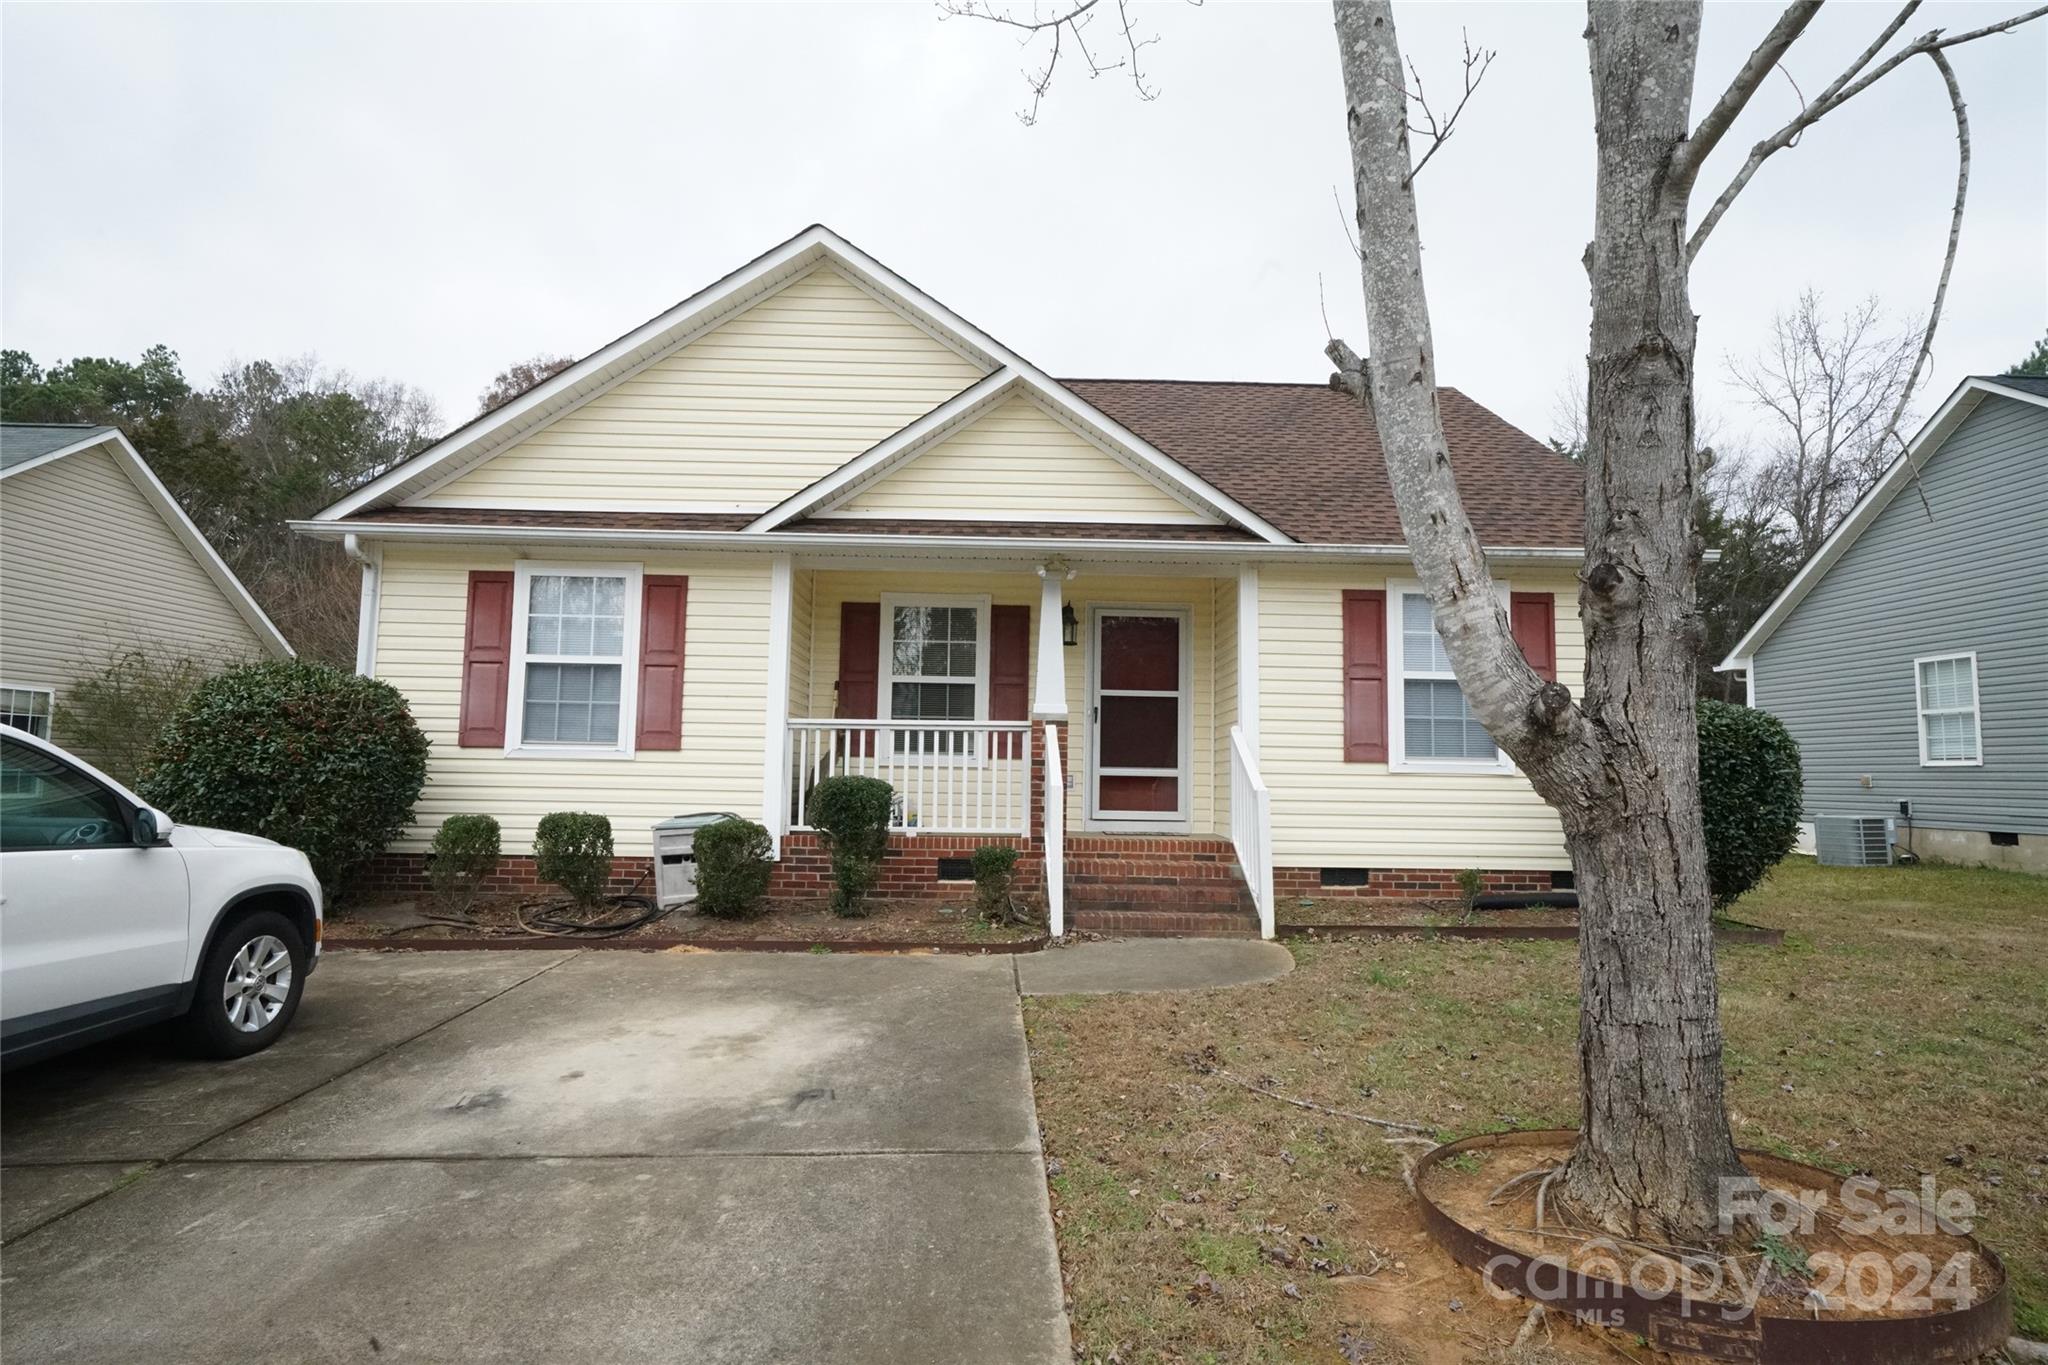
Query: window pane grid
1948	710
575	648
26	708
1436	721
934	672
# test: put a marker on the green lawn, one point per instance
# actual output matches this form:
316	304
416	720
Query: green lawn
1903	1028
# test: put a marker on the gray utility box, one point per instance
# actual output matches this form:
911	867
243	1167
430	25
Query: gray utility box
675	856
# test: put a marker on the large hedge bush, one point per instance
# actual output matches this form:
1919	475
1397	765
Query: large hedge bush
573	849
303	753
851	815
1751	795
733	863
465	852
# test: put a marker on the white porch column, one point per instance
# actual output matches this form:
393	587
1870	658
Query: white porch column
775	717
1248	657
1049	691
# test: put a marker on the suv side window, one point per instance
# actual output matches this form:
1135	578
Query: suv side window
45	803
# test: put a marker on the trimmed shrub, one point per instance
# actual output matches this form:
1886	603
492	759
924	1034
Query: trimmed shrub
1751	795
465	852
995	874
851	815
1470	883
733	863
573	849
115	714
304	753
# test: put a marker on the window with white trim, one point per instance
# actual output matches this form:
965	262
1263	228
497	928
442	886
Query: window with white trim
27	708
575	635
1949	724
935	668
1431	724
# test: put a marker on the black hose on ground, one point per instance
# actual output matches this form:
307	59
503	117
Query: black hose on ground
552	918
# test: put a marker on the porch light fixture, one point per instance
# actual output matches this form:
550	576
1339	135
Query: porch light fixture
1070	625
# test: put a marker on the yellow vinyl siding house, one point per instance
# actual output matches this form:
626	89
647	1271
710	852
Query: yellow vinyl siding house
97	560
810	521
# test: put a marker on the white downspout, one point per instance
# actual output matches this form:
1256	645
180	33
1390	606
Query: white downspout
372	561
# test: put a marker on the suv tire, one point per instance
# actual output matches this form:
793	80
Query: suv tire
248	986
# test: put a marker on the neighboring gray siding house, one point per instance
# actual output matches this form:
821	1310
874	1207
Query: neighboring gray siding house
97	558
1909	658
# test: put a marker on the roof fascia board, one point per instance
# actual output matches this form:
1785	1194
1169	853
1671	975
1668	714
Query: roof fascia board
539	404
146	482
1919	450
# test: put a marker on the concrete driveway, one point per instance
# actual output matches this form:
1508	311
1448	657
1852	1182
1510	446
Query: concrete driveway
515	1156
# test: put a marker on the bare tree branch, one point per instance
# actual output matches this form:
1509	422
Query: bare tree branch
1693	153
1070	21
1440	133
1846	87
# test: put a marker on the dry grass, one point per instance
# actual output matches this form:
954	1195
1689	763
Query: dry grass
1901	1029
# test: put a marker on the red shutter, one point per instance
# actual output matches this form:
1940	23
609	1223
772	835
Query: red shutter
1533	617
486	660
1009	672
1365	676
860	653
664	611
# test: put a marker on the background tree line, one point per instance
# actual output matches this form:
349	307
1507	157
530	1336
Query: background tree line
265	442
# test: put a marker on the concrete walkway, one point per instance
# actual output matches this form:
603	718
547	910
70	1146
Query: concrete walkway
1151	964
521	1156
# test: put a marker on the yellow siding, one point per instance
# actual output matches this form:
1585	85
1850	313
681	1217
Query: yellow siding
1023	590
756	409
1018	463
1327	812
88	568
419	651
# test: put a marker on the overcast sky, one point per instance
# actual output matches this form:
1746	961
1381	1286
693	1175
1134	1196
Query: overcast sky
428	194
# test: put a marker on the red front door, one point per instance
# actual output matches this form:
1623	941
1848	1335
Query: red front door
1139	712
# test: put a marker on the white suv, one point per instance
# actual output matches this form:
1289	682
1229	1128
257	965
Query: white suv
111	918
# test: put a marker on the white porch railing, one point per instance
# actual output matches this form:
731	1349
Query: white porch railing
1055	836
951	777
1251	827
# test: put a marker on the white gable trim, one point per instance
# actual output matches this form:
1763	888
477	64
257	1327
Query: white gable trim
661	336
1964	401
831	493
146	482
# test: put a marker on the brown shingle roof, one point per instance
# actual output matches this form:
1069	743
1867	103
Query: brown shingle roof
1307	458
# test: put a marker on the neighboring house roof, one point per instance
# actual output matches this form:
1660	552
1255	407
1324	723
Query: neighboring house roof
1286	463
1308	457
27	446
1959	405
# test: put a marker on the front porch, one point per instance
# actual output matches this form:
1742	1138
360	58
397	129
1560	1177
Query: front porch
1092	717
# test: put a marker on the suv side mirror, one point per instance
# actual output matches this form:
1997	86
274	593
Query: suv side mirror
150	827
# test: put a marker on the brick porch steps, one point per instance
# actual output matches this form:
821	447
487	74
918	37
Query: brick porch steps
1157	886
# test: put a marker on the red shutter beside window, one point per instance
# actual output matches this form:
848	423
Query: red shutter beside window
664	613
1533	617
1009	672
860	654
486	660
1365	676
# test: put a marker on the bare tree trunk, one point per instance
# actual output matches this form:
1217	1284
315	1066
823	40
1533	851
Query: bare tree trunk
1621	766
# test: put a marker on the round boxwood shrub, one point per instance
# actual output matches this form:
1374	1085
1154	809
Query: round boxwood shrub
465	852
851	815
1751	795
733	863
573	849
304	753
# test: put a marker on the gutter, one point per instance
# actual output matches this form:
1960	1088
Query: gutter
826	543
372	561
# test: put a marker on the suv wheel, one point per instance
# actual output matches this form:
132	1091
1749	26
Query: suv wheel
248	988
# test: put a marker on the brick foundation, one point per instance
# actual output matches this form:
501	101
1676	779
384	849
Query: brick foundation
1402	883
405	874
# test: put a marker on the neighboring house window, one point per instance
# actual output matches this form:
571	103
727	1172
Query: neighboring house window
575	634
1949	730
1432	726
935	665
26	708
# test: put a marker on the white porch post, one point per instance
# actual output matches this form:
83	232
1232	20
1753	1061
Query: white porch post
1248	657
775	717
1049	692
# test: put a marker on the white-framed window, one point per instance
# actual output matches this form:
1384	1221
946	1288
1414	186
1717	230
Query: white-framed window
1430	726
934	668
1951	735
575	655
27	707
